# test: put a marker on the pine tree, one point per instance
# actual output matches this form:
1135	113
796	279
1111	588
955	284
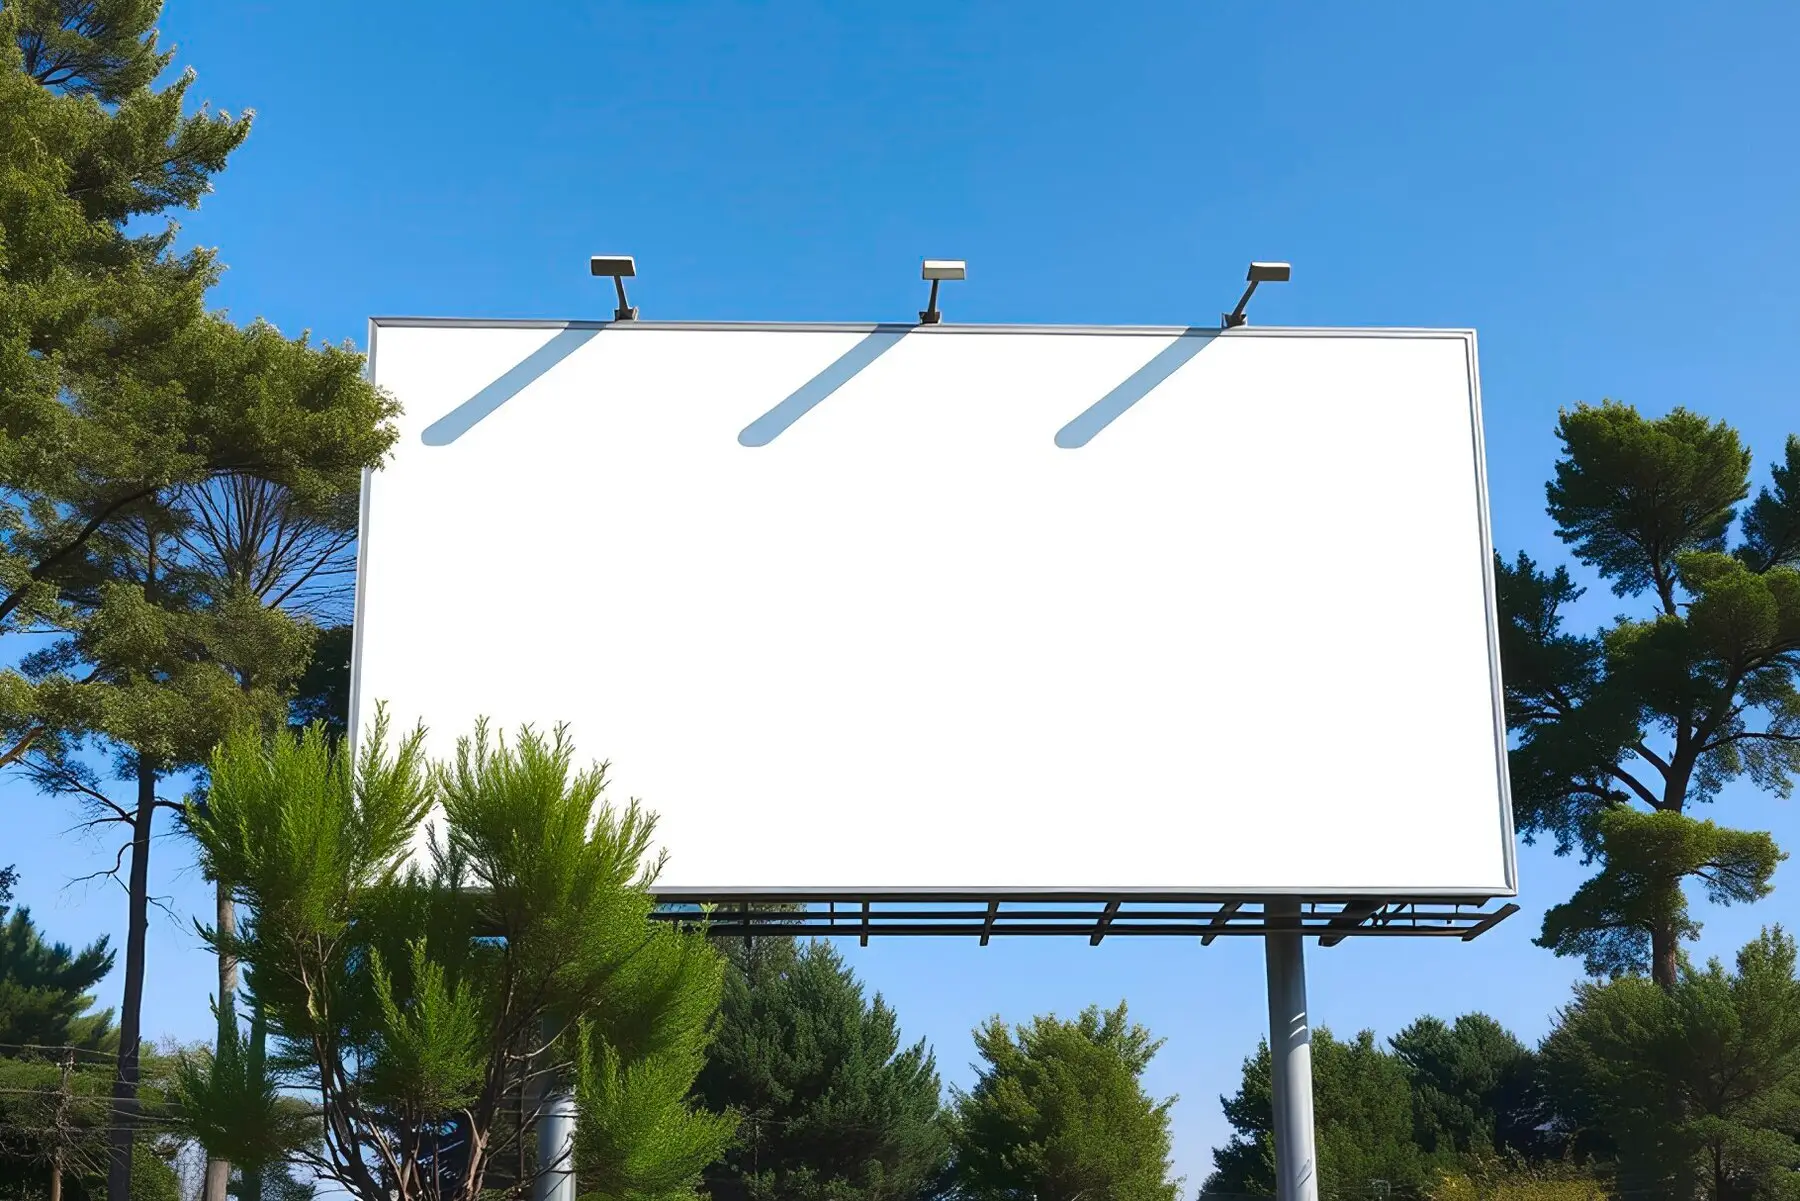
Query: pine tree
831	1105
416	1006
1695	1090
1362	1117
55	1058
1059	1114
1620	734
46	990
126	407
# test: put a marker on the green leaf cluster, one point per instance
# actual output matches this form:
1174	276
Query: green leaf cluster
1059	1114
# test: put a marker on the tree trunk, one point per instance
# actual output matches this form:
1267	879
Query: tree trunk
125	1079
1664	955
218	1171
251	1186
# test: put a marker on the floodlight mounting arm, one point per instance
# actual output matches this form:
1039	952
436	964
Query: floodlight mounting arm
1236	317
624	312
931	315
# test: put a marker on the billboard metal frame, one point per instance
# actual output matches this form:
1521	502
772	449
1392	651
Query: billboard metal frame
1039	911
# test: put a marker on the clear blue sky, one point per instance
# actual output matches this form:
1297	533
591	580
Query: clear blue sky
1606	192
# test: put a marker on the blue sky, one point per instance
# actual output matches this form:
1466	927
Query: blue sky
1606	192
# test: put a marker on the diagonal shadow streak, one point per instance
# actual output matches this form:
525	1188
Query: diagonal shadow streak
465	416
802	400
1139	384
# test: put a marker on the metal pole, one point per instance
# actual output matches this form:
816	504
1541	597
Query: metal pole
1290	1056
555	1180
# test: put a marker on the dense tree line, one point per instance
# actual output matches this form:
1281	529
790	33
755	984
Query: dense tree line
1684	1092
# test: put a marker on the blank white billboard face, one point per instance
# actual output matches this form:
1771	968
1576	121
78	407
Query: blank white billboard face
862	611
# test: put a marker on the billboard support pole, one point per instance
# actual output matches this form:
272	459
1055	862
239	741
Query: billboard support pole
1290	1054
555	1180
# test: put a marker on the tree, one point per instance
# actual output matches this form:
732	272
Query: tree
128	413
46	991
832	1106
1472	1085
55	1055
1618	734
1362	1117
1695	1090
1059	1113
420	1006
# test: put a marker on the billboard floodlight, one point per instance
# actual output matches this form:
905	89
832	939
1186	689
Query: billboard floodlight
937	271
620	267
1259	273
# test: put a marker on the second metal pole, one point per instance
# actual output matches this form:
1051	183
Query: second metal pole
1290	1056
555	1180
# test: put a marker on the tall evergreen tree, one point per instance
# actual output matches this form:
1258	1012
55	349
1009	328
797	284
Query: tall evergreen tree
55	1053
831	1106
1621	733
1363	1124
125	406
46	990
1695	1090
1059	1113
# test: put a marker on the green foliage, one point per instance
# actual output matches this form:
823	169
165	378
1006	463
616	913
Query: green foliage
1472	1086
153	1177
1660	710
639	1138
322	693
54	1108
1363	1118
230	1102
832	1105
414	1002
46	990
1647	857
100	48
1695	1089
1059	1113
1631	495
429	1060
1483	1178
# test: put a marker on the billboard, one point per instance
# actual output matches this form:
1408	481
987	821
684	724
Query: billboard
962	611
